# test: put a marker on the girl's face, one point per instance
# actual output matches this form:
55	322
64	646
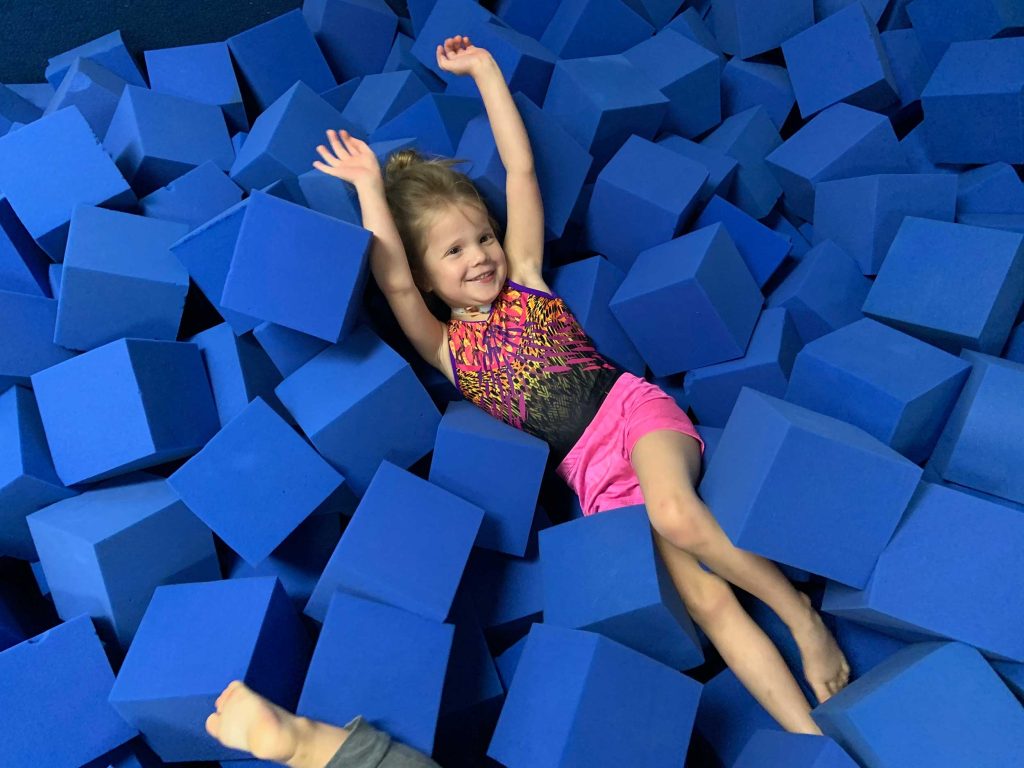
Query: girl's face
464	262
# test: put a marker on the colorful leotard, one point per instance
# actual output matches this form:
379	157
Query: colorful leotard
531	365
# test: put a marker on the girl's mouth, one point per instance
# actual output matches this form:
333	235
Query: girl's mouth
484	278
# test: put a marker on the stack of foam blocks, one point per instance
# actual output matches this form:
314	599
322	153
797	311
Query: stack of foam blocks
220	459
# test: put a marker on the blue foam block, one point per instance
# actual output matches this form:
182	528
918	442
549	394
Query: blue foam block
201	73
840	142
109	51
641	198
317	293
571	688
979	447
806	489
972	103
619	586
689	302
762	249
508	593
119	279
825	291
437	120
712	390
471	446
105	551
27	479
273	55
194	198
52	165
353	36
255	481
354	388
289	350
794	750
24	267
992	188
127	405
864	647
841	58
587	287
93	89
1014	346
729	716
406	545
745	28
721	168
508	660
932	704
922	588
193	640
908	63
35	696
862	215
746	84
383	663
749	137
580	28
380	97
921	288
156	137
889	384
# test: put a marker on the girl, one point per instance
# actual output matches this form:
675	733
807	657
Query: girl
513	348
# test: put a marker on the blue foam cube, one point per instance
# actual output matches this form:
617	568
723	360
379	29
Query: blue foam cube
746	84
992	188
921	288
289	350
26	337
109	51
580	28
353	36
437	120
571	688
619	588
745	28
749	137
762	249
93	89
728	717
105	551
721	168
24	266
193	199
794	750
806	489
200	73
508	593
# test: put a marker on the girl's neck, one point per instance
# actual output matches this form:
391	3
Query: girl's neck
475	309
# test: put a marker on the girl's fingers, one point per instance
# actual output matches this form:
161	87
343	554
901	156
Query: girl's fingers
352	144
322	150
336	145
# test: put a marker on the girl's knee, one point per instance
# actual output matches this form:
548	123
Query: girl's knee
709	598
682	519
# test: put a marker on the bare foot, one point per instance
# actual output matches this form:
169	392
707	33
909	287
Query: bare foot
247	721
825	666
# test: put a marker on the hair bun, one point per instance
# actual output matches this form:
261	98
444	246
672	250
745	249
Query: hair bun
400	160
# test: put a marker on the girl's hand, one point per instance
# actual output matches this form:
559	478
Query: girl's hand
461	57
352	159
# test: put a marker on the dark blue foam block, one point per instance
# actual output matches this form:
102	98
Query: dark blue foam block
361	387
825	291
380	97
507	591
93	89
127	405
105	551
193	198
720	166
289	350
508	660
748	83
976	79
578	29
26	337
193	640
587	287
729	716
108	51
862	215
793	750
864	647
255	481
931	704
748	137
273	55
642	197
910	67
840	58
762	249
924	587
992	188
155	137
383	663
201	73
893	386
36	698
979	446
689	302
921	287
806	489
406	545
27	479
712	390
24	267
119	279
603	574
572	688
317	293
354	37
51	165
745	27
840	142
471	449
437	120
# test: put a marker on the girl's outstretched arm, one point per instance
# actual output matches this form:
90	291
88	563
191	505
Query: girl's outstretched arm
524	230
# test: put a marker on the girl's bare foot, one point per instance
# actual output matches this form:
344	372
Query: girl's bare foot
825	666
247	721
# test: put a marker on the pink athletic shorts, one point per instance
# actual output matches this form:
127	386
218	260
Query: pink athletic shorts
598	467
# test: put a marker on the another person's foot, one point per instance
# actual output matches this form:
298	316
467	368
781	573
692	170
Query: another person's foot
825	666
247	721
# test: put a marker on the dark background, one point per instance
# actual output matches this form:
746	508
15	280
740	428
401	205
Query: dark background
31	31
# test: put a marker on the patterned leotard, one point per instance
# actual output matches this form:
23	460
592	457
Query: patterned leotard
532	365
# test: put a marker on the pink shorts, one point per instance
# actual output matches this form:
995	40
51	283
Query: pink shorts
598	467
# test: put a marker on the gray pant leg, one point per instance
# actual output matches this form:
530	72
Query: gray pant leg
367	747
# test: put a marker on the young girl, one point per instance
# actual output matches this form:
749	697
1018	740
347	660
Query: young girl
513	348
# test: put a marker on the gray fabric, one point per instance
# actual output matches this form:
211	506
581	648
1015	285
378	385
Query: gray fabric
366	747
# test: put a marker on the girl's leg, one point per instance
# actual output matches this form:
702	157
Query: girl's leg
667	464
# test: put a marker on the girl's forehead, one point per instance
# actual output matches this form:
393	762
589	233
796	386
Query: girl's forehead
453	218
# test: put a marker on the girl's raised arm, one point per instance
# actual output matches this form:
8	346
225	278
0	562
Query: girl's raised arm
524	230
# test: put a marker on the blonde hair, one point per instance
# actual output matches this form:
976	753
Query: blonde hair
417	188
